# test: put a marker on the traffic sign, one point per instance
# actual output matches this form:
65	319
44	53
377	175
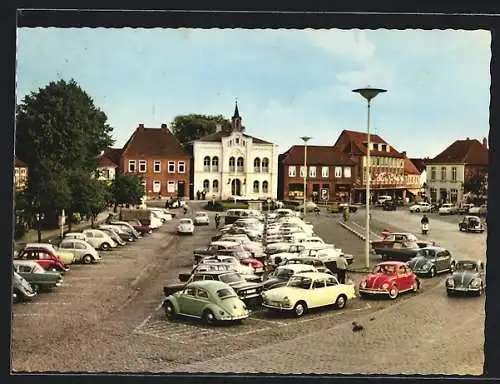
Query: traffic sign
324	193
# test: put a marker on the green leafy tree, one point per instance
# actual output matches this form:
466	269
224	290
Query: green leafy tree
477	184
126	189
191	127
59	129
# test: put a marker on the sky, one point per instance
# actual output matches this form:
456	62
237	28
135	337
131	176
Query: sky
288	83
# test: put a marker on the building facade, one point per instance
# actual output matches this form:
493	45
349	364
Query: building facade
451	169
420	164
20	175
412	180
329	174
156	156
387	165
232	163
107	168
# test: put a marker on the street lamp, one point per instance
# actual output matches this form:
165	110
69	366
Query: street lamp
368	93
305	139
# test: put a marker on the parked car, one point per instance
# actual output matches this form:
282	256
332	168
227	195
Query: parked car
421	206
127	227
481	210
201	218
464	208
400	251
469	277
245	258
99	239
448	209
382	199
310	207
84	252
186	226
430	261
246	270
114	235
212	249
125	235
308	260
67	257
143	229
280	276
38	278
389	205
46	258
163	213
471	224
21	289
211	301
389	279
308	290
397	237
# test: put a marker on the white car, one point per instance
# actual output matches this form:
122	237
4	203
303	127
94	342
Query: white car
162	213
99	239
420	207
83	251
447	209
201	218
186	226
291	251
382	199
478	210
235	264
314	242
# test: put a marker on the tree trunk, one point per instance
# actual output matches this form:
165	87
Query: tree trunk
115	208
92	220
70	219
39	230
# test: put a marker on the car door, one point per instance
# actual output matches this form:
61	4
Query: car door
444	260
89	238
45	259
317	295
79	250
187	302
69	246
405	278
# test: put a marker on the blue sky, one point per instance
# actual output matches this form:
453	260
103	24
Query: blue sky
288	82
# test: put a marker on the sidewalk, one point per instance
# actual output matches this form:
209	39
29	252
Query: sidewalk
32	235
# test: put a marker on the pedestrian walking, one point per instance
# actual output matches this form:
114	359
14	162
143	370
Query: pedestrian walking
217	220
341	268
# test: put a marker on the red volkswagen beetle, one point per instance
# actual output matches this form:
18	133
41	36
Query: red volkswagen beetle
245	258
389	278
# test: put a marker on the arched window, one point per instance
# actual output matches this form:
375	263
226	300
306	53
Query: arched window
256	186
265	187
215	186
256	165
206	163
206	185
231	164
265	165
215	164
240	163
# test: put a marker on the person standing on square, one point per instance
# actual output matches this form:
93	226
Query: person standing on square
341	269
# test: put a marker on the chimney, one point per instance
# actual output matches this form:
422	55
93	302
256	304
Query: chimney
141	127
467	138
164	126
404	153
218	127
485	142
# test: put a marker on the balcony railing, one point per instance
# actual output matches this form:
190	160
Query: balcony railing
265	170
240	169
215	168
206	168
232	168
256	169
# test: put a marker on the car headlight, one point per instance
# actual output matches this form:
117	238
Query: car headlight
427	266
450	283
363	284
286	300
475	283
385	285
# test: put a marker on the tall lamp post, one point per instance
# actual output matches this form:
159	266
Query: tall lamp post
368	93
305	139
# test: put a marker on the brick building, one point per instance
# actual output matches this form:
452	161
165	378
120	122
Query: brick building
448	171
20	175
326	169
156	156
387	165
412	179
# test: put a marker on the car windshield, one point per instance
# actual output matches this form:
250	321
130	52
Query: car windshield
230	278
225	293
201	214
284	273
465	266
300	282
385	269
185	221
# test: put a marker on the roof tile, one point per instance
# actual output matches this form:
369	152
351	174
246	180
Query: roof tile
153	142
316	155
469	151
359	138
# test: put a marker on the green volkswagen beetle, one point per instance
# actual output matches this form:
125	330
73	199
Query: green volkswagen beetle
209	300
39	278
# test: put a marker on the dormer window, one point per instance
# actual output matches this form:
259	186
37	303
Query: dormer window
237	140
384	147
375	146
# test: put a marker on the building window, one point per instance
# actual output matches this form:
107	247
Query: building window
215	164
338	171
240	164
171	187
265	165
144	186
454	173
131	165
384	147
303	171
324	171
237	140
443	173
256	186
232	164
157	166
156	186
433	173
206	185
105	173
292	171
171	166
265	187
312	171
433	194
347	172
181	166
256	165
142	165
215	186
206	164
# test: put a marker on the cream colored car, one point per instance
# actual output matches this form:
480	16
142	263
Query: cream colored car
308	290
99	239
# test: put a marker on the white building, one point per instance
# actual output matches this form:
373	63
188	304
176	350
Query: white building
107	166
233	163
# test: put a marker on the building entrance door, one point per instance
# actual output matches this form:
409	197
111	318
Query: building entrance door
236	187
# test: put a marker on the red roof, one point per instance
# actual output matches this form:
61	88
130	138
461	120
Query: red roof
469	151
105	162
410	168
419	163
19	163
153	142
316	155
358	140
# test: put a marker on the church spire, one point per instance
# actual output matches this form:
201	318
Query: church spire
236	111
236	119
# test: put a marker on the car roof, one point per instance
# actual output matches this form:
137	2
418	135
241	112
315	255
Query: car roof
295	267
471	217
38	245
434	247
208	284
396	263
316	275
25	262
304	258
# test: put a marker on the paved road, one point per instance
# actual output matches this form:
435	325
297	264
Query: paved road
107	318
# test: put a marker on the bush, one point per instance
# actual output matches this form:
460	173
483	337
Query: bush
19	231
217	206
233	205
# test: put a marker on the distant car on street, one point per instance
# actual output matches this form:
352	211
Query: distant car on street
448	209
185	227
430	261
201	218
422	206
469	277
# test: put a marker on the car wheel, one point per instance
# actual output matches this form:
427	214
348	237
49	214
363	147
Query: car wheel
105	246
87	259
169	310
432	272
208	317
417	210
341	302
449	292
415	286
452	266
393	292
299	309
150	231
384	256
481	290
36	287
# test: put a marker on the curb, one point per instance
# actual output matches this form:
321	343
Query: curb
362	237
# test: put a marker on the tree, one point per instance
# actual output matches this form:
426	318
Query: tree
126	189
477	184
59	129
191	127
